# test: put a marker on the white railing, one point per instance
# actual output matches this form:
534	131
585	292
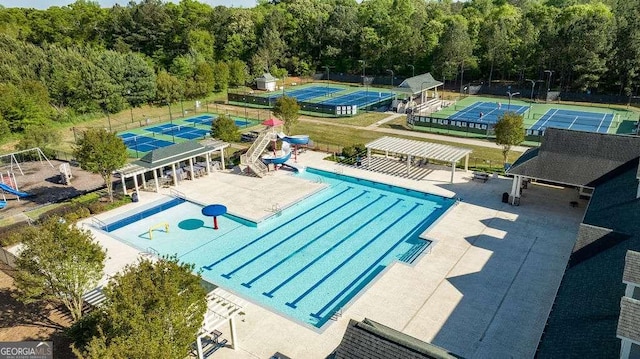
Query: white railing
152	251
254	152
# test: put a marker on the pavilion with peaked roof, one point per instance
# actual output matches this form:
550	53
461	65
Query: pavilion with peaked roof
185	153
420	86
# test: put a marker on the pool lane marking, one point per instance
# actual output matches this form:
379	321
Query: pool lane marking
294	275
293	303
281	226
289	237
249	283
372	266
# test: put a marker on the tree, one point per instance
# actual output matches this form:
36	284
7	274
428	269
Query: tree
59	262
224	128
39	136
100	151
153	310
509	132
287	109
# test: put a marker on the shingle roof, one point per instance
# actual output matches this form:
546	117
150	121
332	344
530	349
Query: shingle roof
631	273
176	153
577	157
629	323
267	77
414	85
584	318
372	340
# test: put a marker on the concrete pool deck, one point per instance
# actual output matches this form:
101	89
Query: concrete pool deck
483	290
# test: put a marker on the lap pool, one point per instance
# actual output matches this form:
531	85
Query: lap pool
307	261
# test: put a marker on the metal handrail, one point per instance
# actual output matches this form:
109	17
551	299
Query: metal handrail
175	193
152	251
98	223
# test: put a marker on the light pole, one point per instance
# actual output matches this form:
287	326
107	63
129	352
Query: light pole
510	96
364	64
533	86
550	72
413	70
130	106
391	76
327	68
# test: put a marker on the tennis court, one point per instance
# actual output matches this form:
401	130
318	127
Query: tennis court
361	99
308	92
142	143
486	112
208	119
182	131
574	120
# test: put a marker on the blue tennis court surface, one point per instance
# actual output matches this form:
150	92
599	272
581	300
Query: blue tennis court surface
486	112
188	132
574	120
208	119
201	120
308	93
359	98
142	143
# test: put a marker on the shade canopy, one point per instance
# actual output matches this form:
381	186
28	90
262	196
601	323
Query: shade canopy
272	122
213	210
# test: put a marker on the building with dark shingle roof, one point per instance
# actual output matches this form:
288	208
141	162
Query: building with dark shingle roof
371	340
586	317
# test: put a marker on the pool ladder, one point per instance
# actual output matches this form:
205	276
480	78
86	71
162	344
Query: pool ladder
275	208
336	315
98	223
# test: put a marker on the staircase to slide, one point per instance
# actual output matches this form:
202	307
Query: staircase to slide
251	158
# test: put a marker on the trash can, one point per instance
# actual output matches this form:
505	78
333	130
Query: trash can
505	197
134	197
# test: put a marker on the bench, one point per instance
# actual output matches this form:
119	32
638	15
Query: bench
480	176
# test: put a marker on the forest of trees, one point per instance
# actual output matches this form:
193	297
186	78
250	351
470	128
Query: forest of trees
81	58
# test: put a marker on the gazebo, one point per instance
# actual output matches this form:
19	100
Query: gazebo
420	85
172	156
419	149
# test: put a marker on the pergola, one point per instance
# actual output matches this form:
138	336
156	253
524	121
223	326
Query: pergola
222	306
419	149
171	156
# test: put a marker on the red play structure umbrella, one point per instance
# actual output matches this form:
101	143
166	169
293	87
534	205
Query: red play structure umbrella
272	122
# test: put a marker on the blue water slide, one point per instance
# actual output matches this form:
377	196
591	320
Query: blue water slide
11	190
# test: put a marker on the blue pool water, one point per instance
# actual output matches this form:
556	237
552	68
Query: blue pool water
306	262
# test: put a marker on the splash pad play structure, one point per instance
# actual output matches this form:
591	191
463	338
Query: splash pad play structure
254	161
214	210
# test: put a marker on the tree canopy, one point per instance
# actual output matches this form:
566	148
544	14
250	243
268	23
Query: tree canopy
288	110
81	58
102	152
509	132
153	310
59	262
225	128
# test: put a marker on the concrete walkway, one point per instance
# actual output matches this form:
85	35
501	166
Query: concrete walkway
483	290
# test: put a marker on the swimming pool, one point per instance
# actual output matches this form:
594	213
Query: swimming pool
307	261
